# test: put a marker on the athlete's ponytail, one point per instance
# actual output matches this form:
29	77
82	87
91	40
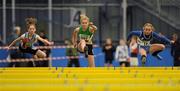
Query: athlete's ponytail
30	21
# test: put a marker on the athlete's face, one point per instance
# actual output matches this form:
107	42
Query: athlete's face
122	42
108	41
147	30
32	29
85	23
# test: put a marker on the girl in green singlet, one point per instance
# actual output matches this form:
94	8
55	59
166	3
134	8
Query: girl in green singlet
82	38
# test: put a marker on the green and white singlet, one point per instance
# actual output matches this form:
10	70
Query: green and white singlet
27	41
86	35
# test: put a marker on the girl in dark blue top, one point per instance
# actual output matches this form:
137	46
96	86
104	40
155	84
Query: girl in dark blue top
144	39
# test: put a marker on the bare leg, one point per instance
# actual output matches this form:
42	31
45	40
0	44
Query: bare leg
82	45
33	62
143	56
91	60
40	54
155	49
142	52
35	56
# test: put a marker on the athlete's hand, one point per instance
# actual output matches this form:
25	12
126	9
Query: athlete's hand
51	43
7	47
128	59
91	23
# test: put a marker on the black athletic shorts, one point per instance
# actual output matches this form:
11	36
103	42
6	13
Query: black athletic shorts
127	64
28	50
90	49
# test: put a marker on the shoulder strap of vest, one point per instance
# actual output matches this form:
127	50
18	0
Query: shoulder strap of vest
80	28
33	37
26	35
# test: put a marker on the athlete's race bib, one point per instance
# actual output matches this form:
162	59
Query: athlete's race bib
85	37
26	43
143	42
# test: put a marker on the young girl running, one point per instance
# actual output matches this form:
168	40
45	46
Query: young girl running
143	40
85	33
28	39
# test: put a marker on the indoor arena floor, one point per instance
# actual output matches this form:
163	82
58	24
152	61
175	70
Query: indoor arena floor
90	79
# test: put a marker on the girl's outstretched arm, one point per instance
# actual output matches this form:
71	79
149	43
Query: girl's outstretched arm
162	38
16	40
93	27
133	33
44	41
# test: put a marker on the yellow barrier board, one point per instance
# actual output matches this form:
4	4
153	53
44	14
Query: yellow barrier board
90	79
95	87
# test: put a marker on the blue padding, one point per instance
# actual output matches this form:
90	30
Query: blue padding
3	55
99	60
166	61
